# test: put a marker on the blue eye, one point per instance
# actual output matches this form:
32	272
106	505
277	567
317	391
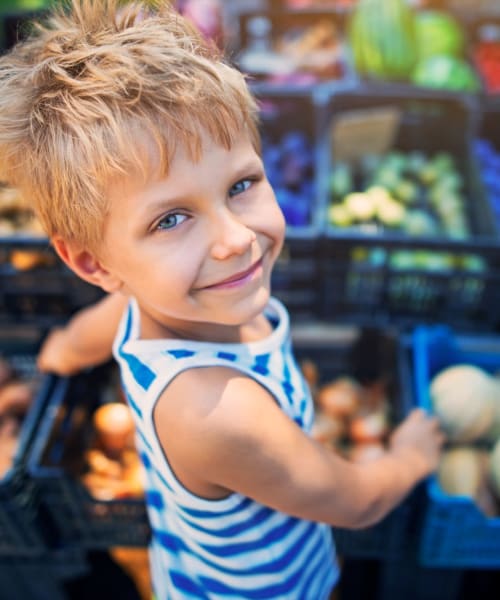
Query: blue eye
240	187
170	221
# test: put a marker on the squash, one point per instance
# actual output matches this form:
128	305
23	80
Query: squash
463	397
494	468
493	433
460	471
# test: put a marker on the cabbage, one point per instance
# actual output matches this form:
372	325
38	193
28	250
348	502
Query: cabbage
438	33
448	72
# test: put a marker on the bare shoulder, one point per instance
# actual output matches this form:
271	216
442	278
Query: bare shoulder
206	415
211	398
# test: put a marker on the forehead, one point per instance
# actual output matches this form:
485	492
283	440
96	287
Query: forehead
183	165
157	158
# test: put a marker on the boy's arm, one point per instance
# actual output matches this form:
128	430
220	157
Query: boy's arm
86	340
228	434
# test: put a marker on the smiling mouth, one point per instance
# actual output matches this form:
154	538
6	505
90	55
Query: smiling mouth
238	277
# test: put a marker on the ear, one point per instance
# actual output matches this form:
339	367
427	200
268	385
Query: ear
86	265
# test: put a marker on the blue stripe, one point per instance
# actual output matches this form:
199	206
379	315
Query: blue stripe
186	585
145	460
227	356
170	542
175	544
131	402
270	591
259	517
277	534
206	514
157	473
261	364
273	566
154	499
286	372
288	389
144	440
326	562
141	373
181	353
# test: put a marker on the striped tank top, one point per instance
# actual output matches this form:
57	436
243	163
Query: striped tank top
233	548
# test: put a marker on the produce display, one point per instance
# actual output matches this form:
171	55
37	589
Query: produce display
466	399
300	52
486	54
352	418
393	41
407	192
489	163
114	470
383	39
16	395
289	164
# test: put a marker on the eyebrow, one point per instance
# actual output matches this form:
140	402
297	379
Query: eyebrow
163	203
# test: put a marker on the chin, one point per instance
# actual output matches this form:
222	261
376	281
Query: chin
246	309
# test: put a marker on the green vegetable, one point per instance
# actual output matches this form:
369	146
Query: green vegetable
438	33
382	37
448	72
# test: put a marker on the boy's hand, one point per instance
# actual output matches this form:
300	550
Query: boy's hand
419	440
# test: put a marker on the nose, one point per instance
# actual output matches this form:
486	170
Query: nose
230	236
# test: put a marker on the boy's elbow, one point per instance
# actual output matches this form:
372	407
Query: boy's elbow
365	514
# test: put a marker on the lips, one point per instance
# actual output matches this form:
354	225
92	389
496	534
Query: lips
237	277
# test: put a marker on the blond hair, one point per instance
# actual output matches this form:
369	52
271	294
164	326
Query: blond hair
84	95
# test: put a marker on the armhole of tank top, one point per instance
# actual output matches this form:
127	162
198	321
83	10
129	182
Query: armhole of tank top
159	387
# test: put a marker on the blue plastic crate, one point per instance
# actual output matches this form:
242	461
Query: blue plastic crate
454	532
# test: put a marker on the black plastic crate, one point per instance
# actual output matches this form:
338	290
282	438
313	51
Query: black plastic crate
367	354
410	129
56	463
378	273
385	282
25	528
296	279
37	288
40	578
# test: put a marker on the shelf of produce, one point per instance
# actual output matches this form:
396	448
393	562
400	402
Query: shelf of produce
410	234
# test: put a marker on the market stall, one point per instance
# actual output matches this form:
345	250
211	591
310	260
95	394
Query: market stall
381	137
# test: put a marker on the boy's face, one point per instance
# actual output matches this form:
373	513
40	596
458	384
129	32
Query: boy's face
196	249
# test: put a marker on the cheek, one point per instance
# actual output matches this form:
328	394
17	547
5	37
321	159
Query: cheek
276	221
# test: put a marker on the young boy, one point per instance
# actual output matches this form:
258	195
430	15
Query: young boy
138	147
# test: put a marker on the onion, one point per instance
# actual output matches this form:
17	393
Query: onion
340	398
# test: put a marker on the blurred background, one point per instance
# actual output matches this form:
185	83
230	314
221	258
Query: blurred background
380	122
